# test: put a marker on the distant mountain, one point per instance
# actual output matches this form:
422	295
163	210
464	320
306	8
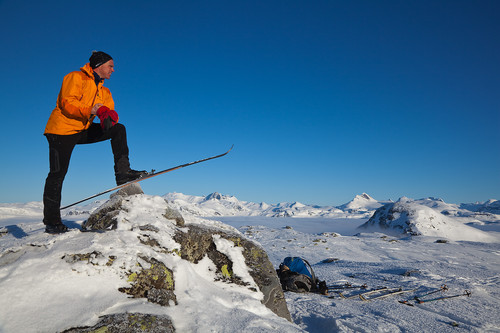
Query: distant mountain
491	206
216	204
362	203
297	209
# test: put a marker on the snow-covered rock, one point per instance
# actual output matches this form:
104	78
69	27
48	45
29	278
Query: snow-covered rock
423	217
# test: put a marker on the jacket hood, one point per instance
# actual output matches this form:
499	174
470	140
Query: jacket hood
88	70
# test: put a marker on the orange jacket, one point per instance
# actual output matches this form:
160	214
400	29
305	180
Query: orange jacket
78	95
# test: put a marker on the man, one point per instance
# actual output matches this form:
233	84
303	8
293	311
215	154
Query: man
81	99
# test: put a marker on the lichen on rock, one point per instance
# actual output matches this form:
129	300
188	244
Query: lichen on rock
128	323
155	283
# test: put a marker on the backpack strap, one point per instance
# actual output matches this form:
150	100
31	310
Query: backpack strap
314	279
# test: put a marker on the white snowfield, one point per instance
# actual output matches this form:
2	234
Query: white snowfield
415	245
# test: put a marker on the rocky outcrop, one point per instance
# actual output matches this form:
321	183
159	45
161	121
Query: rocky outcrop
165	238
198	242
106	217
128	323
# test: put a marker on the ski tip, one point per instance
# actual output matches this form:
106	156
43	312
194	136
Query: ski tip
227	152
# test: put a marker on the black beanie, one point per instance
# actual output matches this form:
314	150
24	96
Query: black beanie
98	58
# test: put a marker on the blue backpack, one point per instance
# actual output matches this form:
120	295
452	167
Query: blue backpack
296	274
296	264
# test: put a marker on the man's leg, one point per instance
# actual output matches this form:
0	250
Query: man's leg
60	149
118	136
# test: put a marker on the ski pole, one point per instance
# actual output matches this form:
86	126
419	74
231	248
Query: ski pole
466	293
443	289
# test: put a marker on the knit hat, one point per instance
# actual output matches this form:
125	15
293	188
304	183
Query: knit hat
98	58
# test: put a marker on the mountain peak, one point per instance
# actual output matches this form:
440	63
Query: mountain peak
361	202
214	196
364	196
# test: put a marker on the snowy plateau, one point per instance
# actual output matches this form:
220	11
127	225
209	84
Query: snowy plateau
447	255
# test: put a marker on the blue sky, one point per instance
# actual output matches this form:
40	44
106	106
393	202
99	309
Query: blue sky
323	100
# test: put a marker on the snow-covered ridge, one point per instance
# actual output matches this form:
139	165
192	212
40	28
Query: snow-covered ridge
216	204
8	210
362	206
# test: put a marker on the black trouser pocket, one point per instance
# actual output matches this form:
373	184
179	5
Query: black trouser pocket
55	166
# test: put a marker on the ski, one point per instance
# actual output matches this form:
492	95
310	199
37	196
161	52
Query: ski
466	293
346	286
362	294
363	297
149	175
391	293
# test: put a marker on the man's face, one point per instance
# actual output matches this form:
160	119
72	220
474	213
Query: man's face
105	70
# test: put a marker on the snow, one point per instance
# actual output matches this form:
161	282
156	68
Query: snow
401	252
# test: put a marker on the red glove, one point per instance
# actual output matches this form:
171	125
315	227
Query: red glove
107	117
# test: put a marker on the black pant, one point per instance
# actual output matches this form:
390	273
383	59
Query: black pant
60	149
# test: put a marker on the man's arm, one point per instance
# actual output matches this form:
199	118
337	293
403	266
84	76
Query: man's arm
72	101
